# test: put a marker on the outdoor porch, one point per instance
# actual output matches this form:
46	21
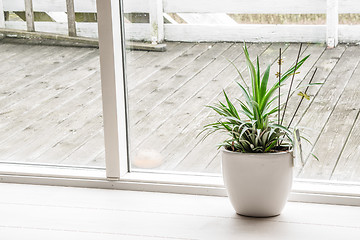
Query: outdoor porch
51	109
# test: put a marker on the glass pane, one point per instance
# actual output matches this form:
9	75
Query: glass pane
50	99
169	90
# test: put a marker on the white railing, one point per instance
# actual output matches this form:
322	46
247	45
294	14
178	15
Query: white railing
157	31
52	6
331	32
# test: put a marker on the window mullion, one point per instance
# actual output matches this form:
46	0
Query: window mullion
113	88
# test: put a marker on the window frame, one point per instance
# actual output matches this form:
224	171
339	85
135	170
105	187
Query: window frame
113	85
306	191
118	174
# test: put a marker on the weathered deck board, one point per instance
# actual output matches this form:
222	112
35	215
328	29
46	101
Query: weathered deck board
68	119
318	60
324	65
76	136
192	101
348	167
330	143
144	127
154	90
29	74
50	101
30	106
36	94
315	52
132	56
98	161
140	70
26	56
321	112
88	151
23	119
153	83
28	87
7	50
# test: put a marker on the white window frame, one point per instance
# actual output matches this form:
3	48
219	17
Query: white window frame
118	174
112	65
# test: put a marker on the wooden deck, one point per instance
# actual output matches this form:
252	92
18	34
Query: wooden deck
51	105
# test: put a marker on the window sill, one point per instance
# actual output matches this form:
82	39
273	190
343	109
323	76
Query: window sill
211	185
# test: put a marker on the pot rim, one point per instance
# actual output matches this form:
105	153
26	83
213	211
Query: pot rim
272	153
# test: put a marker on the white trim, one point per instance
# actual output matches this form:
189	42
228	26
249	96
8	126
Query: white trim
210	185
245	6
2	16
245	32
43	170
175	178
113	88
349	33
198	6
156	21
332	21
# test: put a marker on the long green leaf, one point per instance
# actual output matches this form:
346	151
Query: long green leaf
238	71
251	68
246	95
264	82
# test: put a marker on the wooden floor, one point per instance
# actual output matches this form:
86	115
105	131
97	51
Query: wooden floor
50	101
59	213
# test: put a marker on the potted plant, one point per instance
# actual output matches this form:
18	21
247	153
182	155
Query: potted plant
257	156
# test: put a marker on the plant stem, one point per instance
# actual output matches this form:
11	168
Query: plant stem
312	77
291	83
279	85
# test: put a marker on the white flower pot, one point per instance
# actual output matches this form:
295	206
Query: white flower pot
258	184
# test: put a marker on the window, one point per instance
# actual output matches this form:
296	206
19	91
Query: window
154	96
51	107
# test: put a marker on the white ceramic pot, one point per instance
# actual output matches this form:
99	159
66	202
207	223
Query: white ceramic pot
258	184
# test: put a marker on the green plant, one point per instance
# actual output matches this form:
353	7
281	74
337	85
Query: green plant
253	127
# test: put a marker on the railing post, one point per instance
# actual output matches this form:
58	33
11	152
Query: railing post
29	13
2	15
332	21
156	21
70	9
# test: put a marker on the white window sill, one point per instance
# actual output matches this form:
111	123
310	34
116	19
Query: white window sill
43	212
210	185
